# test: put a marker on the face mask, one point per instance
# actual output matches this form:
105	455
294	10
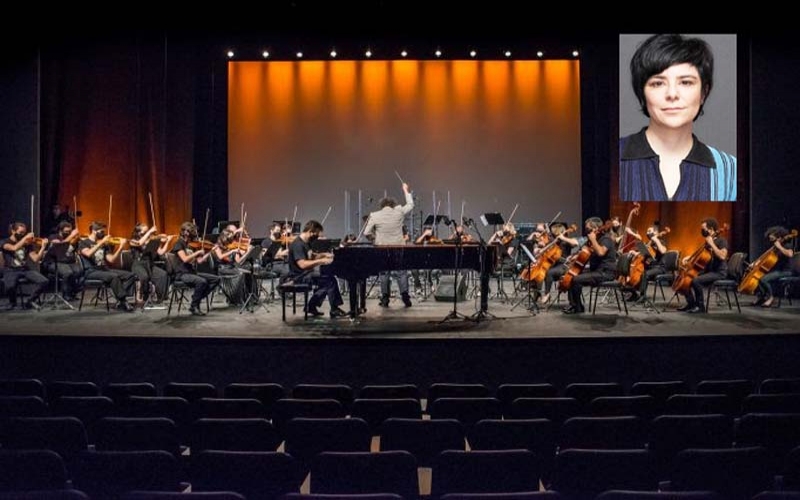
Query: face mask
19	236
705	233
650	234
313	237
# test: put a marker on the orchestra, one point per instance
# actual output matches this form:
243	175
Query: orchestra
610	249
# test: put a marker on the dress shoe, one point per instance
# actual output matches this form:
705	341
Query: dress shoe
123	305
685	308
573	310
758	301
696	310
406	300
195	311
384	301
313	311
338	313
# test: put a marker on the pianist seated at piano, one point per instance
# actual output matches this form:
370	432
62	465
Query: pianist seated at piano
304	268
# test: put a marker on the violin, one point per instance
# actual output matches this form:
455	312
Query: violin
548	257
116	241
694	265
579	260
762	266
203	245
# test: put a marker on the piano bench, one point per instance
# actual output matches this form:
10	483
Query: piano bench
294	289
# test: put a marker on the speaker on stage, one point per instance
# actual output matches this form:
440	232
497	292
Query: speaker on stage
444	290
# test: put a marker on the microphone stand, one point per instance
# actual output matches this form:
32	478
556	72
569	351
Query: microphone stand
483	311
454	314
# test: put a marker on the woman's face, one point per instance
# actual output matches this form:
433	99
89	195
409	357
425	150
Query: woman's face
674	96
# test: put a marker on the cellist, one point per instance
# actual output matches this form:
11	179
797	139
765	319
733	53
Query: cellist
601	265
716	269
557	271
781	269
653	252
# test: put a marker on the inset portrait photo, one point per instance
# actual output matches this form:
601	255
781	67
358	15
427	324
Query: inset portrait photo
677	97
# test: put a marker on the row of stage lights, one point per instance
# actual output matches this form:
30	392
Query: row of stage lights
403	54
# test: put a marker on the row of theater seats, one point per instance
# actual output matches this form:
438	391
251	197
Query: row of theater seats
579	474
506	393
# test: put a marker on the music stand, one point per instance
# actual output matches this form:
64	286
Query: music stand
56	252
492	218
252	256
529	297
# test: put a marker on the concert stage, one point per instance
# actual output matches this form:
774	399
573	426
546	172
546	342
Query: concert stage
423	320
397	345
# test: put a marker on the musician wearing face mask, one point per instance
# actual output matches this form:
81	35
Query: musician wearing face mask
304	268
716	269
227	253
144	257
781	269
557	271
97	257
203	283
18	250
65	264
653	252
275	251
601	265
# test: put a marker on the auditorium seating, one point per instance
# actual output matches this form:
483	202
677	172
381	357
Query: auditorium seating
715	438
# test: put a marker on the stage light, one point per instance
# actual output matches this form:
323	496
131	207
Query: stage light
265	54
507	53
438	53
574	53
230	54
539	54
403	53
368	53
299	55
472	53
333	53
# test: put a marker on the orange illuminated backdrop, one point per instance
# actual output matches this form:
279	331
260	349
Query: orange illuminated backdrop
492	133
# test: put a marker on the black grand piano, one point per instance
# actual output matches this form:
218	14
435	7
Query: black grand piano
355	263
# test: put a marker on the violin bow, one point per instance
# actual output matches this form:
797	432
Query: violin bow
326	215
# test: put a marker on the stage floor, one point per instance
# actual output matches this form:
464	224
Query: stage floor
422	321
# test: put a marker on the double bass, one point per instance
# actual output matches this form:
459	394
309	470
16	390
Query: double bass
636	266
579	260
627	242
548	257
694	265
762	266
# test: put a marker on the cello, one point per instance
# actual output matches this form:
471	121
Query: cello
579	260
762	266
548	257
636	265
694	265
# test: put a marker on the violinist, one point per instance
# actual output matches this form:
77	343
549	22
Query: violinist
276	251
18	251
66	264
781	269
557	271
459	234
716	269
144	255
227	253
96	253
601	265
387	226
653	252
203	283
426	237
506	238
304	268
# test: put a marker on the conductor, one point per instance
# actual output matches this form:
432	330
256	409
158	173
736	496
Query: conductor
386	225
